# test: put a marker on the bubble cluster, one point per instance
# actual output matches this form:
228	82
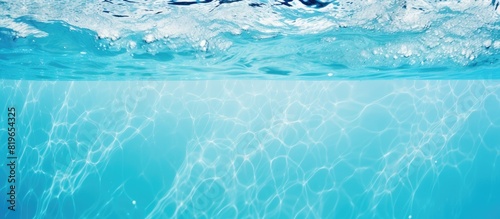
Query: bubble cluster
370	34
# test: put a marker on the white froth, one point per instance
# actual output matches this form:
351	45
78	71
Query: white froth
21	29
458	31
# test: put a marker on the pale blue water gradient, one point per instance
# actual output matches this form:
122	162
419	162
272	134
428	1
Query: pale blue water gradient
252	109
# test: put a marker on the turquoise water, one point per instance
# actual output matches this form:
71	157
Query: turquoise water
250	109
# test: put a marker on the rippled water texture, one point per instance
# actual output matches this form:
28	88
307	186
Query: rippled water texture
251	109
256	149
249	39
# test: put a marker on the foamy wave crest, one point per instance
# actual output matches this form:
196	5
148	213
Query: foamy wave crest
303	37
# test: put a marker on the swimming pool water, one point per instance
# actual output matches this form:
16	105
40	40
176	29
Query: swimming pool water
250	109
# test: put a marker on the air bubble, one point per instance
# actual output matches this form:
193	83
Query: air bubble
487	43
131	44
149	38
496	44
204	45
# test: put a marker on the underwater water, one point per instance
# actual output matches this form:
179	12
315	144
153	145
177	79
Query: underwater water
250	109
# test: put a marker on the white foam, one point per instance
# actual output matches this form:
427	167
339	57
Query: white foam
443	29
21	29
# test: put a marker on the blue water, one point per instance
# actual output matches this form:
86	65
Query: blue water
250	109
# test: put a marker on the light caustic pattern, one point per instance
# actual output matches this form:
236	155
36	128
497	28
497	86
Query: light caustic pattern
257	149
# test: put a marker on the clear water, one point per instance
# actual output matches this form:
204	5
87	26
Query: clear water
251	109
